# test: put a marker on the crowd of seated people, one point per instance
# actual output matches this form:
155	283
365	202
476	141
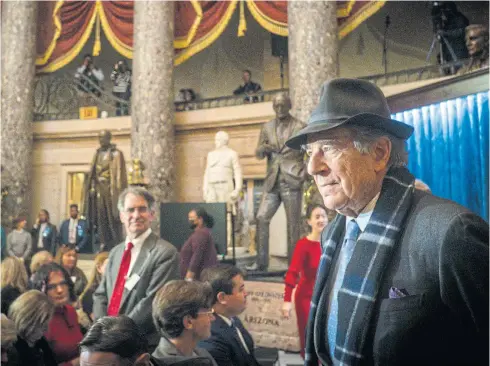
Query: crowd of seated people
135	287
41	327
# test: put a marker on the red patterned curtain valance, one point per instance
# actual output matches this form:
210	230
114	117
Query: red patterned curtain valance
65	26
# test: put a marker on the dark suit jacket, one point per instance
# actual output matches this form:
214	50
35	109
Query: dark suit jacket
167	354
157	263
50	237
82	233
21	354
225	345
282	160
441	261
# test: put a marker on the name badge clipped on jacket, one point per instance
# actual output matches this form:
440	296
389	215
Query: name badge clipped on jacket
46	231
79	230
131	282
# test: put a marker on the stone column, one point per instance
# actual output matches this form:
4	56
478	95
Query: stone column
313	52
17	103
152	132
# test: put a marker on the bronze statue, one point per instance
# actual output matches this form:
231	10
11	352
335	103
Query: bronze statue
106	180
284	180
136	176
477	44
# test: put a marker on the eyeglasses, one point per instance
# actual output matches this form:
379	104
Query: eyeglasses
54	286
326	146
208	313
141	210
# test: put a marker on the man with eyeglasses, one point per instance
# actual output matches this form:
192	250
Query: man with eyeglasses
403	276
183	314
137	267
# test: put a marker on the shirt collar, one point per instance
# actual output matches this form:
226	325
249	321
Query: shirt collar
138	242
363	218
225	319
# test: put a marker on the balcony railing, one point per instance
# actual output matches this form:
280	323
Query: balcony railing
419	73
61	97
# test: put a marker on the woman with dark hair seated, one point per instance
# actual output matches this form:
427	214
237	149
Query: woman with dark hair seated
64	332
182	312
31	314
199	251
67	257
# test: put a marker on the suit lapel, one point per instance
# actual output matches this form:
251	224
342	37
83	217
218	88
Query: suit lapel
139	265
231	332
246	335
118	253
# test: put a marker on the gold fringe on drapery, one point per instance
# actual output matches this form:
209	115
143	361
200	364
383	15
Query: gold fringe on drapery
242	24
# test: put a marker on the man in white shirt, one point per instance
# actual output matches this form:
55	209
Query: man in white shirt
74	231
230	343
137	267
44	234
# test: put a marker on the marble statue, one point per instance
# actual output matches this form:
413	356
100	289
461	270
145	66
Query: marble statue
223	176
284	180
106	180
477	44
223	179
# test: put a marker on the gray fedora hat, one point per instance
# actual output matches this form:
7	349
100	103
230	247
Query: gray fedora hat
350	102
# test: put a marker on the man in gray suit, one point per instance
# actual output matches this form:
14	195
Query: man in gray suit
138	267
403	276
284	180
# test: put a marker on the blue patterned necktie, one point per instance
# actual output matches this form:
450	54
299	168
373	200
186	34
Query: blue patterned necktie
350	238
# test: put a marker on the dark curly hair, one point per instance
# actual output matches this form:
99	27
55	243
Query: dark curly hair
40	279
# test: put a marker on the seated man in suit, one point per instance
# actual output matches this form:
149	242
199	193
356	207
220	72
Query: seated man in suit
182	313
230	343
137	267
73	231
44	234
114	341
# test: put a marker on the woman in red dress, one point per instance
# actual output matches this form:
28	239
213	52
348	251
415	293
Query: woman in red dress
304	265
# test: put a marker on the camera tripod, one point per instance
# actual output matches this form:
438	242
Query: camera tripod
439	38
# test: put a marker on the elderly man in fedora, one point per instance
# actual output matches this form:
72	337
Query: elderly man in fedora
403	278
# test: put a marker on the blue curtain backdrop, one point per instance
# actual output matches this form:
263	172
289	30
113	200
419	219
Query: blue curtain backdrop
449	149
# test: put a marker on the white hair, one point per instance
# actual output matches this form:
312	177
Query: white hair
364	138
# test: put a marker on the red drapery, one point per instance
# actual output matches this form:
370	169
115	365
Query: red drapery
65	26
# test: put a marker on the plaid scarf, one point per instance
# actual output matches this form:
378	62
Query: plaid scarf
363	276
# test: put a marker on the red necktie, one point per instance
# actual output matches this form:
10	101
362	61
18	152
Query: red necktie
115	303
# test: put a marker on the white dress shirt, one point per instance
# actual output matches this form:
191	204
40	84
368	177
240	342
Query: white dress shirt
363	218
72	231
240	335
137	244
40	243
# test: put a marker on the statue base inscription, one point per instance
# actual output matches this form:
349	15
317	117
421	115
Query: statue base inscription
263	318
